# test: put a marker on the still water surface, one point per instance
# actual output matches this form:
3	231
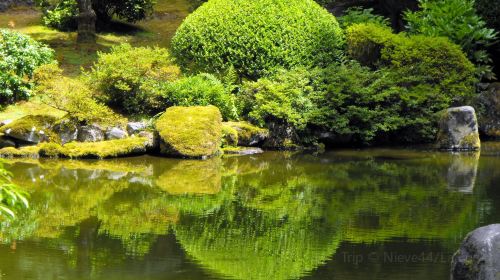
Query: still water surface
348	214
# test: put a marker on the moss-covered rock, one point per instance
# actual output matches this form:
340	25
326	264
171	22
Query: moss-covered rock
248	134
458	130
105	149
31	129
192	132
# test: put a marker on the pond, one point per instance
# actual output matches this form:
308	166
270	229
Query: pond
344	214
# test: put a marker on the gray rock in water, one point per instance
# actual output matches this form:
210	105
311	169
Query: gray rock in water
116	133
90	133
66	131
479	255
244	151
458	130
135	127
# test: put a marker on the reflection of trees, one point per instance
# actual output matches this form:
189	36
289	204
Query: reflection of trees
275	215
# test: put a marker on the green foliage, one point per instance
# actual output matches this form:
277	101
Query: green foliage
458	21
356	15
419	60
193	132
256	37
19	57
11	197
72	96
283	98
201	90
357	103
63	14
127	78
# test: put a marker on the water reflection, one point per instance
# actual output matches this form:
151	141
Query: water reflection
276	215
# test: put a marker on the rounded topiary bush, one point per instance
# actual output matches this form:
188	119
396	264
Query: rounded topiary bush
257	36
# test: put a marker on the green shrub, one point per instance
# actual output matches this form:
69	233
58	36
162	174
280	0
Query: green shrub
419	60
255	37
19	57
283	97
127	78
458	21
201	90
356	15
378	106
73	97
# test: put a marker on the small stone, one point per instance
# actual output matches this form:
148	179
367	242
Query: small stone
135	127
243	151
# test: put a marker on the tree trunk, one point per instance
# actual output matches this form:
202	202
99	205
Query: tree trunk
86	22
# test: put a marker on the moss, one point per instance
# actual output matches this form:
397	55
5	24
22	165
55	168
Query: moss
104	149
29	124
248	133
192	132
24	152
229	136
471	141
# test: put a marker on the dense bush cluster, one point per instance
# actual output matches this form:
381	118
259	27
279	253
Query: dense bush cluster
420	60
458	21
256	37
19	57
405	82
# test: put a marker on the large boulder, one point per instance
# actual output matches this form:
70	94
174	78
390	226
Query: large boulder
66	130
116	133
458	130
30	130
248	134
192	132
479	255
90	133
489	112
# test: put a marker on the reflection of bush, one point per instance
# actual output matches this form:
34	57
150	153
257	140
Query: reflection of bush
245	243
